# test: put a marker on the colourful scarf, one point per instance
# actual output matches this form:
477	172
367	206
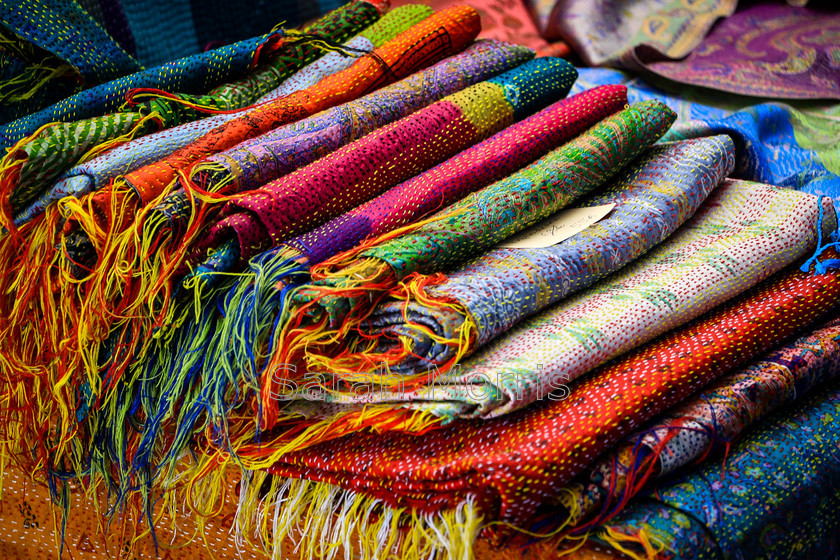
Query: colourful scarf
349	285
444	34
448	483
436	323
777	144
714	417
199	72
774	496
389	26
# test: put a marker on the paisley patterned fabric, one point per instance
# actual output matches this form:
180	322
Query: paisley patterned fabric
616	32
766	50
777	495
492	293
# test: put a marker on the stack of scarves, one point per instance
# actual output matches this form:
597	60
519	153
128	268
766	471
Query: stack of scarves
494	472
705	423
253	303
395	372
406	147
70	326
349	284
94	174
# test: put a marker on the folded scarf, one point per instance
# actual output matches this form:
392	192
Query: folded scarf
791	145
295	203
708	420
434	322
104	214
254	303
502	469
349	285
125	158
42	157
389	26
776	495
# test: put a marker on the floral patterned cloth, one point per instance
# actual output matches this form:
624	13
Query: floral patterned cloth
776	495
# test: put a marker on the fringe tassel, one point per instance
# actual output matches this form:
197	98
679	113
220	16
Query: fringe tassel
362	352
326	522
296	433
649	542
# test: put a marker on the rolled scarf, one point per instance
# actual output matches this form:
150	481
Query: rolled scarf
500	470
292	204
704	423
347	286
125	158
776	495
226	343
435	322
254	303
94	220
40	158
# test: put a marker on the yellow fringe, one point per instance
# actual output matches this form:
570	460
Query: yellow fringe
324	521
649	542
